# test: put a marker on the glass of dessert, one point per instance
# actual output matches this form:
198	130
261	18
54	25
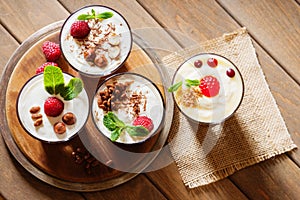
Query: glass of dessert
208	88
96	40
128	108
53	106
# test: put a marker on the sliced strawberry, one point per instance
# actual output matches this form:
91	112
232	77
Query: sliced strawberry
209	86
144	121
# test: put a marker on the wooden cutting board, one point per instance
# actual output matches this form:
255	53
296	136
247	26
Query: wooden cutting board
56	159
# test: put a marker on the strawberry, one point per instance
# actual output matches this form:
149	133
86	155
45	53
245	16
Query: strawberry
80	29
53	107
144	121
51	51
209	86
41	68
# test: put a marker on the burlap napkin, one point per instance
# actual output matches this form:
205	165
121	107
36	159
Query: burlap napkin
256	132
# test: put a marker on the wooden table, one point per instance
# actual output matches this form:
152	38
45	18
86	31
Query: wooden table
275	29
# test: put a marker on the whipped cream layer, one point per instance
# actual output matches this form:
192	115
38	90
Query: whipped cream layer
116	33
210	109
34	94
154	108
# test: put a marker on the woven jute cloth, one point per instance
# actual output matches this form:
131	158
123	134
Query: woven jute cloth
256	132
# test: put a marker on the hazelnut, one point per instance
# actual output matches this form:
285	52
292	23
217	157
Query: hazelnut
59	128
69	118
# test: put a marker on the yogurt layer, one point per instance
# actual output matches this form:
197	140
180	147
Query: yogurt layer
111	37
34	94
209	109
151	106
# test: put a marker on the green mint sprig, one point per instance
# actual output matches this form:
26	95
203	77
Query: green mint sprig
116	126
54	83
189	83
103	15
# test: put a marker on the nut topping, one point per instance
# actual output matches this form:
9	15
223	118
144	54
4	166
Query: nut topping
69	118
34	109
100	61
36	116
59	128
38	122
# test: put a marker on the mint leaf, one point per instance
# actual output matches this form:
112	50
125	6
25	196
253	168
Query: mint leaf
137	130
111	121
118	122
190	83
116	126
104	15
175	87
93	12
73	89
83	17
115	134
53	80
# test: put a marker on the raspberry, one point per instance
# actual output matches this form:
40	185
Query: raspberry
80	29
41	68
53	107
209	86
144	121
51	51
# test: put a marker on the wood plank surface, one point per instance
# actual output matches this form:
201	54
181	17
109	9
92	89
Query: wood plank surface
7	47
138	188
22	22
273	179
172	185
275	25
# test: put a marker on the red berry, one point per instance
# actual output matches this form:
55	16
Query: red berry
209	86
230	72
212	62
198	63
41	68
53	107
80	29
51	51
144	121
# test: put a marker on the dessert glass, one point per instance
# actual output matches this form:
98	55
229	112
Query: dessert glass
214	105
150	104
104	50
34	94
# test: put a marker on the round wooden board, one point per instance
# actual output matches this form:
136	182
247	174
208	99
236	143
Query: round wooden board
54	163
